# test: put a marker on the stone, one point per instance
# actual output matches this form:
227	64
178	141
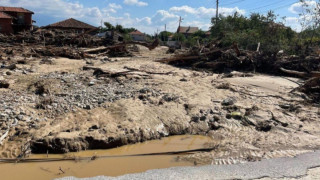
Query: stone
229	101
236	115
20	117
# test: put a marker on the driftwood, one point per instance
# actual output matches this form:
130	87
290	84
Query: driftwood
4	136
108	73
103	72
122	45
301	74
148	72
181	58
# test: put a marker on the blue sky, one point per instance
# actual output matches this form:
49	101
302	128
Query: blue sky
151	15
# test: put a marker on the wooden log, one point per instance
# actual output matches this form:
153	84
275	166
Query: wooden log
301	74
118	46
181	58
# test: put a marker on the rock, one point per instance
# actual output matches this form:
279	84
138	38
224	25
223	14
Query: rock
4	84
88	107
144	90
203	118
264	126
169	98
20	117
229	101
236	115
91	83
11	67
94	127
195	119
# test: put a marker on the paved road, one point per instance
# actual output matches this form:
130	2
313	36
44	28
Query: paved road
274	168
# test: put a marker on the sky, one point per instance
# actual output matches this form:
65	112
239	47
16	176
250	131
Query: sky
151	16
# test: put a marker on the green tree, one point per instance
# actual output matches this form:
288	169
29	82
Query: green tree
249	31
109	26
164	35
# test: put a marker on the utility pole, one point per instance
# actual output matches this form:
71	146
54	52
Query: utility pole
180	20
217	11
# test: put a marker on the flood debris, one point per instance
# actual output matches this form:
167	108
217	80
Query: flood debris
226	60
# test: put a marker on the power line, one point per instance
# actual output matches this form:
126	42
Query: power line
280	7
267	5
232	3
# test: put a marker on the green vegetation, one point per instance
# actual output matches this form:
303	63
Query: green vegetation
119	28
247	32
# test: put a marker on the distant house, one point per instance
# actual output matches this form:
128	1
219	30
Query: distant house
15	19
208	34
137	36
187	31
71	24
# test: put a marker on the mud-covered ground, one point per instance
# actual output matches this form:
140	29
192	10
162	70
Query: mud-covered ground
58	107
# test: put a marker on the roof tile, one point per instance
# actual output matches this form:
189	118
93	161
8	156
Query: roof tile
72	24
14	9
4	16
188	29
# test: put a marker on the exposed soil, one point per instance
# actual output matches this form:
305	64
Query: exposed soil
59	108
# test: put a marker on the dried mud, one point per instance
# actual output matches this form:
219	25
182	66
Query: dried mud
249	117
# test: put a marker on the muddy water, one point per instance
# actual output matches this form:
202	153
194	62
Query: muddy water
107	166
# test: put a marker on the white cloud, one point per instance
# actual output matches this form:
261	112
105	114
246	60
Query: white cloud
112	8
298	8
206	12
115	6
294	23
135	3
55	8
186	9
163	15
63	9
145	20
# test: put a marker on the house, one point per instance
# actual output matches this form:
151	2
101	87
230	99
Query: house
15	19
208	34
137	36
187	31
71	24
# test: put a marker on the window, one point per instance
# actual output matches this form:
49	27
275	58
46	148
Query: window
20	18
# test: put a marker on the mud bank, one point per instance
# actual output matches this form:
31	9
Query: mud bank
112	166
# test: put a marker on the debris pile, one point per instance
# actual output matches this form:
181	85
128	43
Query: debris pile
226	60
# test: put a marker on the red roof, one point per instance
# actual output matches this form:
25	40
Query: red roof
72	24
136	32
187	30
15	9
4	16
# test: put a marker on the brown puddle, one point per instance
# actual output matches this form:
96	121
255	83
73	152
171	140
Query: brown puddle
107	166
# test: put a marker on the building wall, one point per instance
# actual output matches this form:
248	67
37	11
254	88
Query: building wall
6	26
21	24
28	19
137	37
